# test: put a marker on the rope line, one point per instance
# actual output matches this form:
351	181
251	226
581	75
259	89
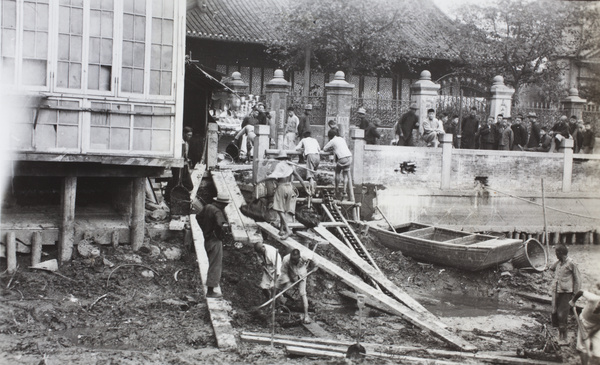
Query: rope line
540	205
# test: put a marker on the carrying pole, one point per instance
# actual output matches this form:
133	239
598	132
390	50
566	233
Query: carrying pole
545	222
274	305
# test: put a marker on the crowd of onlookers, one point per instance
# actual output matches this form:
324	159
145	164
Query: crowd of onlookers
516	133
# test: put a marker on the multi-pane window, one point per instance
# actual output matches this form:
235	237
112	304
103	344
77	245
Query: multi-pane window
9	40
161	60
70	44
58	128
152	131
35	39
110	126
101	45
134	46
116	126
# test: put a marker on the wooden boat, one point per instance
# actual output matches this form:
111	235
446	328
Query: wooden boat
463	250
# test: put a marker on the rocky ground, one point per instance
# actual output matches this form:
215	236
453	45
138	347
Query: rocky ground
98	311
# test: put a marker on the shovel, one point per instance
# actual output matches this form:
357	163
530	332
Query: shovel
357	350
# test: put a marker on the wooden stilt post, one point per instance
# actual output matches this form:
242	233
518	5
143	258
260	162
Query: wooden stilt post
67	229
36	248
11	253
137	213
114	239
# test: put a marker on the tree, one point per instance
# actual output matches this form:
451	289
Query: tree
588	51
347	35
518	39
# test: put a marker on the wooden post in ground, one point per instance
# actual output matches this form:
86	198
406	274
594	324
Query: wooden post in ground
11	253
36	248
67	228
114	239
137	213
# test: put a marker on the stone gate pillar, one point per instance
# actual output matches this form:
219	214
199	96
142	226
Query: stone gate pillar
501	99
573	104
240	87
424	94
566	147
338	94
277	91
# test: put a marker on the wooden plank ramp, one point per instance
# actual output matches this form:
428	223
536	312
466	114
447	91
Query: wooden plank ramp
243	228
416	318
316	330
390	351
218	308
377	276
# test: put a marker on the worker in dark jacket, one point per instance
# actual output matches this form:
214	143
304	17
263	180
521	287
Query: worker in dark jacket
214	225
560	131
519	134
534	135
408	122
545	142
589	140
469	128
486	134
370	128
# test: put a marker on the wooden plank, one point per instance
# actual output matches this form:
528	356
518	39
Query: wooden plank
218	308
196	176
371	303
494	357
416	318
232	213
266	340
103	159
400	295
305	351
312	237
412	360
347	242
371	261
238	200
316	330
297	225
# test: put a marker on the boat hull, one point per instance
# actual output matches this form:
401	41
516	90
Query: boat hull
458	249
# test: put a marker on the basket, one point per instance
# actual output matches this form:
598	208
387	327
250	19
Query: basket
531	255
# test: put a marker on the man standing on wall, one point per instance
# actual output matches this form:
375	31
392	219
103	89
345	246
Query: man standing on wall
589	140
486	134
519	134
408	122
291	130
469	128
534	136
